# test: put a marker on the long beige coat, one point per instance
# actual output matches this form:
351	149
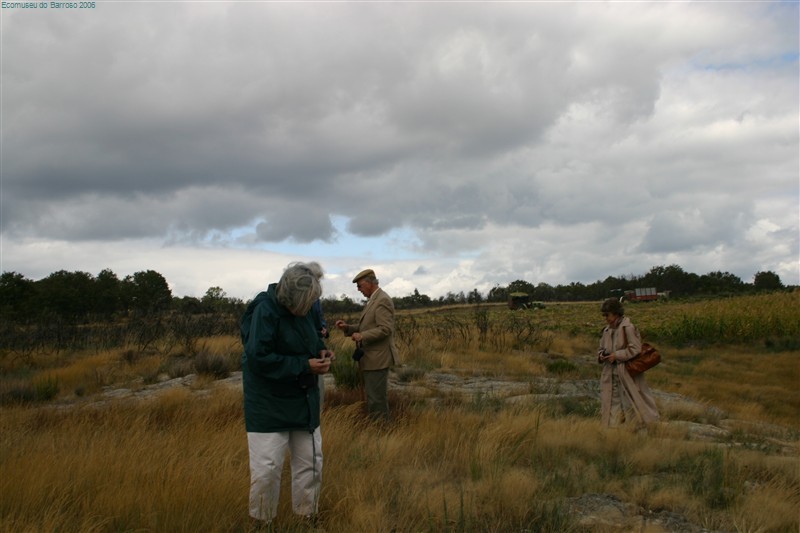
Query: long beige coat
376	326
637	401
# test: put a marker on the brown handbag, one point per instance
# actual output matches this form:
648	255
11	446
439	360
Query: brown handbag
644	361
647	358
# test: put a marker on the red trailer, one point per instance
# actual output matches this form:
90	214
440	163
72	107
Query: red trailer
647	294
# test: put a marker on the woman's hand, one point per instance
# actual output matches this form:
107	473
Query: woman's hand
327	354
610	358
605	357
320	366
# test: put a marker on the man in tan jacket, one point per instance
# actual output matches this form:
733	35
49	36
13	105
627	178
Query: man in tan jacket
374	333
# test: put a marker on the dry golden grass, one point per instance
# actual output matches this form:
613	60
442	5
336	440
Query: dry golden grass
746	382
178	461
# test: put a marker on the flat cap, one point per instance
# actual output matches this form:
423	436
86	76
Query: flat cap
363	274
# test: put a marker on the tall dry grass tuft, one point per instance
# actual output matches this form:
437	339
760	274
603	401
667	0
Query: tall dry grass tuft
165	465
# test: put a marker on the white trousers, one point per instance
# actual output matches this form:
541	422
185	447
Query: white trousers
267	453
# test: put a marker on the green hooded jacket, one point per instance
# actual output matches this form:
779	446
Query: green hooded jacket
280	393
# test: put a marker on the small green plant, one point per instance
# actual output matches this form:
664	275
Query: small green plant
615	464
711	480
561	366
46	388
483	402
578	406
345	372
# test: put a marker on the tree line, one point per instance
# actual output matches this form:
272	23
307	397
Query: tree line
80	296
672	278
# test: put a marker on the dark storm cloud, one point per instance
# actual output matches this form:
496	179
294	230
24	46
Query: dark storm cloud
296	222
538	130
232	107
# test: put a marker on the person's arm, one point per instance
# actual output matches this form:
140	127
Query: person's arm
260	348
347	329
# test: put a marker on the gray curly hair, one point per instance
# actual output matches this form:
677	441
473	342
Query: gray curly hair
299	287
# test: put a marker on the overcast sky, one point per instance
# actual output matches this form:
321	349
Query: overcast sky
449	146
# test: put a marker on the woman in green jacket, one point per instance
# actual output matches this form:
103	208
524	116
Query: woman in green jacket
283	356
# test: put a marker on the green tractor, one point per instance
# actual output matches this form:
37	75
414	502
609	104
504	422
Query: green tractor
522	300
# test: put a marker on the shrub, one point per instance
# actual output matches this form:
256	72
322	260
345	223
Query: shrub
179	367
561	366
41	389
212	364
782	344
17	392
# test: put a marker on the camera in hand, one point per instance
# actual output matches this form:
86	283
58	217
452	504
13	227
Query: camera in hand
358	353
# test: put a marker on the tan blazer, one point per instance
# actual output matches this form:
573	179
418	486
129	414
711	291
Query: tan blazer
376	326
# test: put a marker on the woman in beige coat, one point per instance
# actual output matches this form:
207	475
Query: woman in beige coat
623	398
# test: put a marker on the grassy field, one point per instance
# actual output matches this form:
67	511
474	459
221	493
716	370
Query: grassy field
73	460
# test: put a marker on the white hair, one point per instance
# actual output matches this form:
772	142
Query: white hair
299	287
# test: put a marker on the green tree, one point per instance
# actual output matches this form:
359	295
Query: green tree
214	299
108	299
544	292
719	282
474	297
147	292
17	294
672	278
497	294
188	305
69	295
767	281
521	286
572	292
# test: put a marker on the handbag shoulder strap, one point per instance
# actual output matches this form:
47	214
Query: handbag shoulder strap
636	331
625	335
